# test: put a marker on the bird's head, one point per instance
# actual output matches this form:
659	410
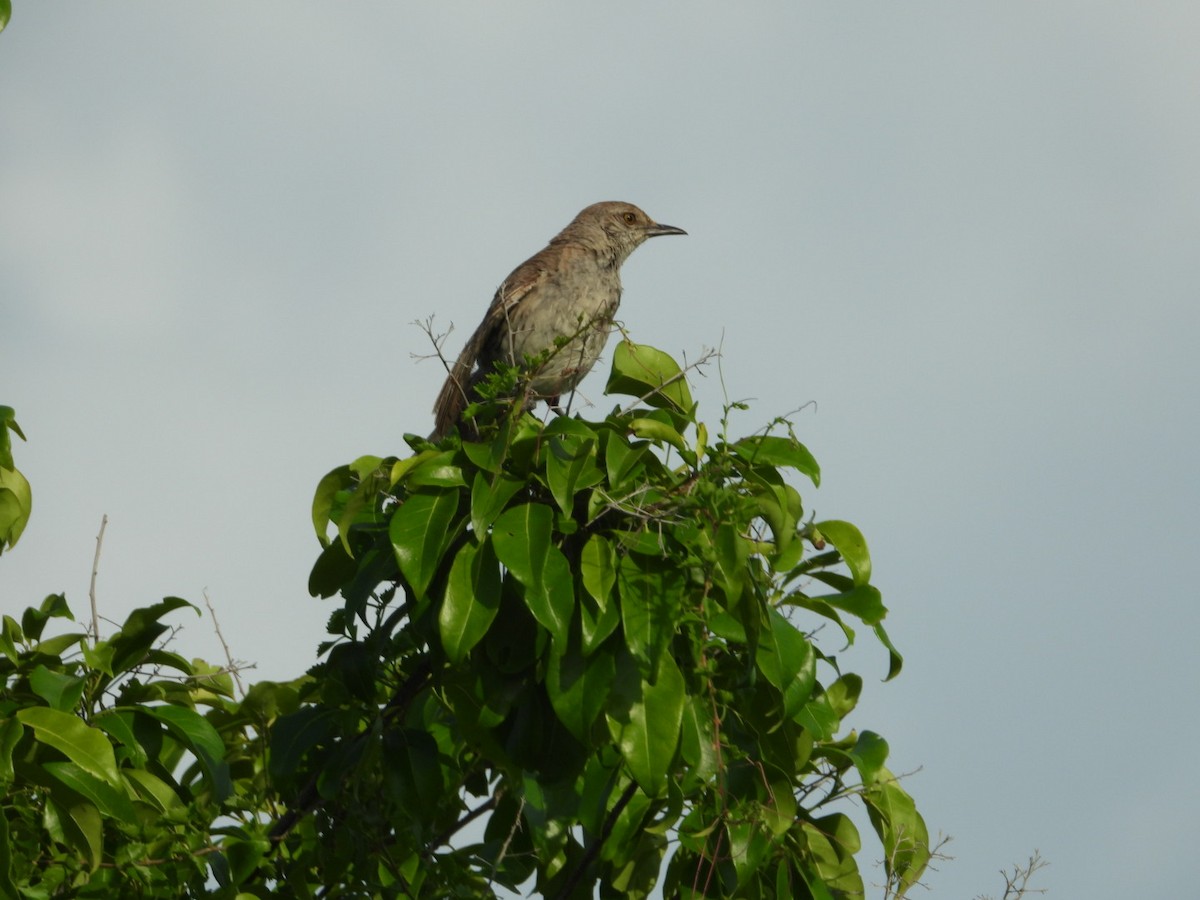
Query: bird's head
615	228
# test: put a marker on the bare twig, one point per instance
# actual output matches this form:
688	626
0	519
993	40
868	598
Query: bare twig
471	816
438	341
233	666
508	839
95	572
1016	883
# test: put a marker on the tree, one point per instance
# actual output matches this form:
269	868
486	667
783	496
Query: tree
594	642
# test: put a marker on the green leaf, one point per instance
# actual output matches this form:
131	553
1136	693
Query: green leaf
33	621
651	595
488	499
851	545
325	500
522	538
843	694
869	753
60	691
112	802
438	470
5	15
471	601
294	735
645	721
152	790
864	602
658	432
822	609
10	733
698	745
570	462
733	551
900	827
197	734
244	857
84	830
8	890
786	659
578	687
650	375
16	504
773	450
333	569
599	609
895	660
420	531
86	747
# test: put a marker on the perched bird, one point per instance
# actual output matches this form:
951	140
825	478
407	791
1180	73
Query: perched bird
569	290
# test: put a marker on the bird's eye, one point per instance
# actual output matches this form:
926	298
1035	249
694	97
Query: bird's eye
629	218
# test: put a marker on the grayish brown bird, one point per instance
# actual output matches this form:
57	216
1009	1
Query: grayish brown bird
567	292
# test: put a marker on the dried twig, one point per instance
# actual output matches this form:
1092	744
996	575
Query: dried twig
233	666
95	572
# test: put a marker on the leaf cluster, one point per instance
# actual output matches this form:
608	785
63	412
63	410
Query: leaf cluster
578	658
598	637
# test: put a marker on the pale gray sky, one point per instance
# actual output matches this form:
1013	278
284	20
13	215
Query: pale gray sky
969	232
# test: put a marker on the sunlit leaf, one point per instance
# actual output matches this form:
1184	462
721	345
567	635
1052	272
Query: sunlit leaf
851	545
649	375
87	747
647	729
420	532
471	601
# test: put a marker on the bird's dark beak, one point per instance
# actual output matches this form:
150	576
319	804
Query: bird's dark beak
656	230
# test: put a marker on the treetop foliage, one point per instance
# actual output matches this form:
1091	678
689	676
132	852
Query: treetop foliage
613	648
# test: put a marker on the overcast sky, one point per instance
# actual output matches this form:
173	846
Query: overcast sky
968	232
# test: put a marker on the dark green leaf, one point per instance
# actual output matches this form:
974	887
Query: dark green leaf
522	539
786	659
651	596
294	735
197	734
333	568
578	687
895	660
111	801
600	611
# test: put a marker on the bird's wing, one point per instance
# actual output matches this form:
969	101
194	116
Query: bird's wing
453	397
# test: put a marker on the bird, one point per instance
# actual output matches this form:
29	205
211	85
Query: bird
557	308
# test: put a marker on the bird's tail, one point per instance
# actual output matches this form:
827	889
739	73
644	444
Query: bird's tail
451	400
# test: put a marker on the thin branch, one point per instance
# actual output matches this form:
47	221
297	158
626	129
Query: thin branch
438	341
309	799
593	849
489	803
233	666
95	572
